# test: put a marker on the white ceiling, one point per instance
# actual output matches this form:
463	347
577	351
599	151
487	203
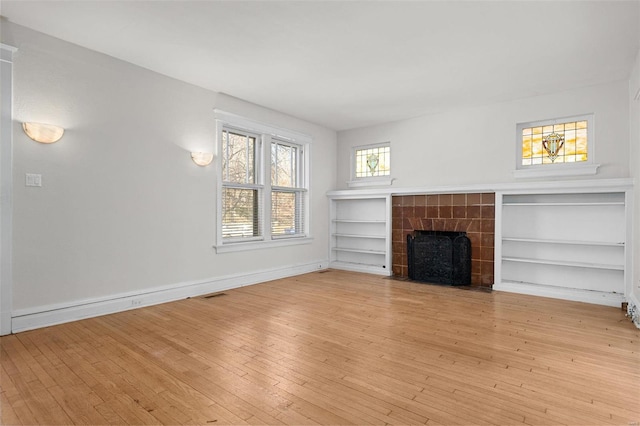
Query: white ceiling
358	63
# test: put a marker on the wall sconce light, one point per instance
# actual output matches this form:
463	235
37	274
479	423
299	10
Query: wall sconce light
202	158
43	133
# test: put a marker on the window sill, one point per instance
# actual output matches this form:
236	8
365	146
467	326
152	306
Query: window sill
370	182
551	171
257	245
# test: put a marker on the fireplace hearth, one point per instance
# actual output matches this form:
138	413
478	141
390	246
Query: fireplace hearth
439	257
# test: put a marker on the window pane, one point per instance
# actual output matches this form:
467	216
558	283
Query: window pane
284	160
526	147
372	162
536	147
286	213
238	151
569	140
240	213
581	143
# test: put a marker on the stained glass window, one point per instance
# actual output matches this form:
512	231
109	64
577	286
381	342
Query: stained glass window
373	161
555	142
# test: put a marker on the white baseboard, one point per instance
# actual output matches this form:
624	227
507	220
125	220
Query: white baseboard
45	316
356	267
577	295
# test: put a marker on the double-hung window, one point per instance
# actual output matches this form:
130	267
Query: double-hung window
263	185
287	189
241	187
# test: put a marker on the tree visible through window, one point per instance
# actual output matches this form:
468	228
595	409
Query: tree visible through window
287	195
240	188
263	187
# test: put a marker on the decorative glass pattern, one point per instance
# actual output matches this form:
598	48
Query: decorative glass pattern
373	162
555	143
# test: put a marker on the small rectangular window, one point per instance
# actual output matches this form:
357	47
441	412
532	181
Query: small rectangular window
562	146
372	161
559	143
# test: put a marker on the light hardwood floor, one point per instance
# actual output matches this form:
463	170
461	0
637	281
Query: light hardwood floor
331	347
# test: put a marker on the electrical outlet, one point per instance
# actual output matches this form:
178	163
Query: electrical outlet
136	302
32	179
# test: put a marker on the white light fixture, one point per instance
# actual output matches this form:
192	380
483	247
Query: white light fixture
43	133
202	158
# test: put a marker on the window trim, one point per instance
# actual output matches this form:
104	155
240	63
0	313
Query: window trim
581	168
299	190
356	182
257	184
228	121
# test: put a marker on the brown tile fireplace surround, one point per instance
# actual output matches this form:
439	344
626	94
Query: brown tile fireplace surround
472	213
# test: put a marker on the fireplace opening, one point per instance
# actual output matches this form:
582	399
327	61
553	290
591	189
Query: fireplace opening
439	257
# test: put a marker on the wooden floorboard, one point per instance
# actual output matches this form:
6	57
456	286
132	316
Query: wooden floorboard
331	347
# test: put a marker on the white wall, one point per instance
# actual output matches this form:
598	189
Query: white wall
122	208
477	145
634	165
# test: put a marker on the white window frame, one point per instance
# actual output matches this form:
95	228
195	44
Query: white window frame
581	168
356	182
267	134
258	185
300	189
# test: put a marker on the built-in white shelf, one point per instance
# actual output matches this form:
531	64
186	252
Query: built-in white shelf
564	263
353	250
358	221
571	242
563	238
361	233
620	203
377	237
563	244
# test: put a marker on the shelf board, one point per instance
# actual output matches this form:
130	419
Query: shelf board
570	242
360	221
564	263
354	250
377	237
585	203
375	265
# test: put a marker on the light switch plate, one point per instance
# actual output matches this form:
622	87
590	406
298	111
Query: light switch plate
33	179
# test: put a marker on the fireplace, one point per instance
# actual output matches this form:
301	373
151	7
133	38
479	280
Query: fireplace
472	213
441	257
